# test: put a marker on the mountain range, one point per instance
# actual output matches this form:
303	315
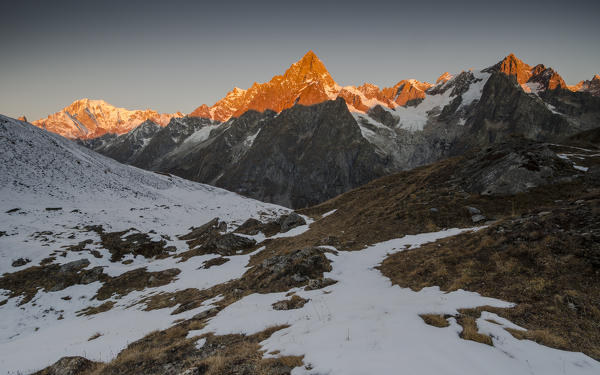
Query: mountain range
305	82
301	139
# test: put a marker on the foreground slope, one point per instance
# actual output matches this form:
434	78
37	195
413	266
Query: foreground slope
62	207
275	295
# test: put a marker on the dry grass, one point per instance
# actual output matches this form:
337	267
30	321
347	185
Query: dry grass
137	279
96	309
548	264
435	320
467	319
169	351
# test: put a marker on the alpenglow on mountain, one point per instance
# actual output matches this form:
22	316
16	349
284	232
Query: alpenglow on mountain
305	82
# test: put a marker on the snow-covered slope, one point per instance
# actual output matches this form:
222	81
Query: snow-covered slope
50	189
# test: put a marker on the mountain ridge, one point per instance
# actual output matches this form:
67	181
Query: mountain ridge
305	82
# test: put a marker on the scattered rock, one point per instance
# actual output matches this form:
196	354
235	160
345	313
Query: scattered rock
290	221
229	243
473	210
206	313
21	262
477	218
296	302
75	265
319	283
281	272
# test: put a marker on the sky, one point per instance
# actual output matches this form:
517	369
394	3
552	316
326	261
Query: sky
176	55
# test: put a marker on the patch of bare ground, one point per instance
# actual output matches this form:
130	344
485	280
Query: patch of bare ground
171	352
546	261
295	302
96	309
135	244
50	278
214	262
435	320
137	279
279	273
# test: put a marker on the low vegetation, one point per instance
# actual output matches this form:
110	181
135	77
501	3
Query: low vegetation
547	262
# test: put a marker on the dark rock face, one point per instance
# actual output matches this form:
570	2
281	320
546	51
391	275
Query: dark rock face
505	109
308	154
298	158
513	167
124	148
305	156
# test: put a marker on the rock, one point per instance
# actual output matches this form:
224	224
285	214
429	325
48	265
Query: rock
434	210
201	231
477	218
296	302
206	313
229	243
319	283
21	262
92	275
512	167
473	210
250	227
69	366
293	269
290	221
75	265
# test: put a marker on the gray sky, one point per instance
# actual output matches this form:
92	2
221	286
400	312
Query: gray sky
175	55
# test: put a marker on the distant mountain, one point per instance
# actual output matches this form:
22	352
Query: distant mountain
592	86
308	82
306	154
86	119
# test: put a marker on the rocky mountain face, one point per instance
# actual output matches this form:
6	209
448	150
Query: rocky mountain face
308	82
299	157
306	154
88	119
592	86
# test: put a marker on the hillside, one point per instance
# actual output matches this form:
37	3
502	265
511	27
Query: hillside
146	273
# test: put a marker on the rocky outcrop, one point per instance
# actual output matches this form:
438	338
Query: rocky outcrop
504	110
69	366
512	167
